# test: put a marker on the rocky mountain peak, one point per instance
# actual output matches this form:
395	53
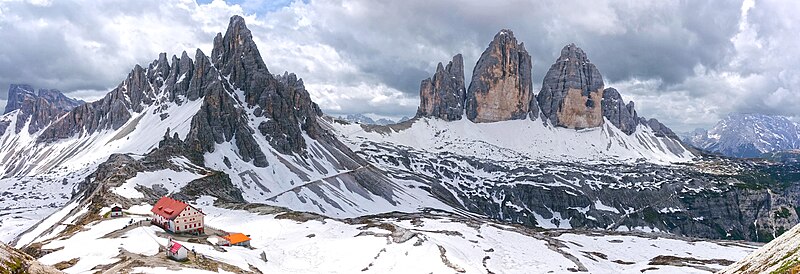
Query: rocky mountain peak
443	95
234	65
748	135
16	96
40	108
573	52
618	113
284	100
236	55
572	91
501	86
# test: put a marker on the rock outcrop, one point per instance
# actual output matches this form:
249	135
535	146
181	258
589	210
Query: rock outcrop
660	129
572	91
621	115
137	91
40	109
443	95
501	87
283	100
624	116
220	120
15	261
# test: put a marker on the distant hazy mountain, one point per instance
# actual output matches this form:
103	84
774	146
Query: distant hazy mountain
366	120
747	135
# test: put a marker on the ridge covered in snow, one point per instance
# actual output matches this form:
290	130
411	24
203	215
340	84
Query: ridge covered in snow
747	135
524	139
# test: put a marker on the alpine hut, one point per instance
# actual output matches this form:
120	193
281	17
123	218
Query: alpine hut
177	216
116	211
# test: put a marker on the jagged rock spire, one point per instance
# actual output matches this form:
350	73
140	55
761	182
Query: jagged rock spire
443	95
618	113
572	91
236	55
284	100
501	87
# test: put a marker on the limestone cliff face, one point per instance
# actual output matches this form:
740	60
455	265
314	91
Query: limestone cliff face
282	99
443	95
572	91
501	87
618	113
40	109
132	95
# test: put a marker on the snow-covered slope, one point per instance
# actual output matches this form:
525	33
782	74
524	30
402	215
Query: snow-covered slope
21	155
433	242
39	178
777	256
523	139
748	135
265	138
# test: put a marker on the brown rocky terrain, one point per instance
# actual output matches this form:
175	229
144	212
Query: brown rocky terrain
15	261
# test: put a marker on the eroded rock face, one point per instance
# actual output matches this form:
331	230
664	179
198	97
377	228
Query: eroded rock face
18	97
501	87
282	99
660	129
618	113
572	91
443	95
40	108
110	112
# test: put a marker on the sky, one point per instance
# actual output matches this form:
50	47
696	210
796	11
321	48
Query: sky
686	63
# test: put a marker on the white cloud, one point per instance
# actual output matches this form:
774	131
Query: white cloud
685	63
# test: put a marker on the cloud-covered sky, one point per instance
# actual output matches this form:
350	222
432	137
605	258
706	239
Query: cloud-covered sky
687	63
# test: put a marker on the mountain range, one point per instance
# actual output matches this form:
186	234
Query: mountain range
747	135
360	118
223	131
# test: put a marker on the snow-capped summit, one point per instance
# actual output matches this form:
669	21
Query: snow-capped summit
365	119
748	135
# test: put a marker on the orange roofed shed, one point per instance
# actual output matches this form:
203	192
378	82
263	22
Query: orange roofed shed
237	239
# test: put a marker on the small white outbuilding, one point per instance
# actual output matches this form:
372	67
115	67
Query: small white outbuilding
177	251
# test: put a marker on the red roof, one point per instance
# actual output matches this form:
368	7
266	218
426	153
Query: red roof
168	208
175	247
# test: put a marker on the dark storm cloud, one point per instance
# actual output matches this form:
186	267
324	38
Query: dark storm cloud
398	41
76	45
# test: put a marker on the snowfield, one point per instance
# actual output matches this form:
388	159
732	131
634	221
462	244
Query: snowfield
171	180
392	243
518	139
776	256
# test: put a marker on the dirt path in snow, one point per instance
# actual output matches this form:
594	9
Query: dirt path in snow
320	180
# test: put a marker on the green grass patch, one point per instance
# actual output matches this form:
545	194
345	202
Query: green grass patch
783	213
